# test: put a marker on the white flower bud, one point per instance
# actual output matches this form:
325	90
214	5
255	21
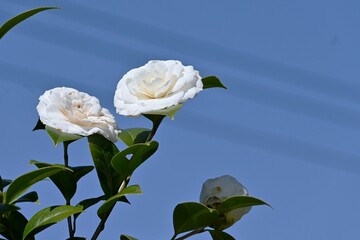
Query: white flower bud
215	191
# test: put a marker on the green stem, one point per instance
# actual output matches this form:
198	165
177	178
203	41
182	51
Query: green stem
192	233
104	218
156	120
66	163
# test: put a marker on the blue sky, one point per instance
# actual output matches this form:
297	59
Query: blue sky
288	127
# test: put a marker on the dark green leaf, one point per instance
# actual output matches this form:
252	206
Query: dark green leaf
19	18
58	137
39	126
4	183
7	207
15	224
64	180
134	135
29	197
81	171
76	238
102	151
220	235
236	202
22	183
170	112
192	215
212	82
126	161
108	204
127	237
88	203
47	217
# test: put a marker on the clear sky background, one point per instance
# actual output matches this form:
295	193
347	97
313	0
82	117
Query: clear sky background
288	127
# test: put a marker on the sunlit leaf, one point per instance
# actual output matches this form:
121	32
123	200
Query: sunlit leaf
212	82
192	215
236	202
220	235
108	204
102	151
126	161
47	217
58	137
28	197
19	18
170	112
127	237
22	183
132	136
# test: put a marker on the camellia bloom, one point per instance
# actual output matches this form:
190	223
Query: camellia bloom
216	190
74	112
155	86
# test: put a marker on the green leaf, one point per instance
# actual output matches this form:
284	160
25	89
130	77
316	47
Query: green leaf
102	151
4	183
29	197
220	235
15	224
22	183
7	208
76	238
39	126
212	82
47	217
137	153
127	237
236	202
66	181
88	203
170	112
19	18
58	137
108	204
132	136
192	215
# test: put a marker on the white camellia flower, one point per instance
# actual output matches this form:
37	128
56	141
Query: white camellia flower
74	112
216	190
155	86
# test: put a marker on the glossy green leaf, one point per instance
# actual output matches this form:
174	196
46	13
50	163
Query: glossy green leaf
81	171
108	204
28	197
19	18
102	151
22	183
39	126
7	208
88	203
192	215
58	137
236	202
4	183
47	217
126	161
212	82
220	235
132	136
127	237
170	111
